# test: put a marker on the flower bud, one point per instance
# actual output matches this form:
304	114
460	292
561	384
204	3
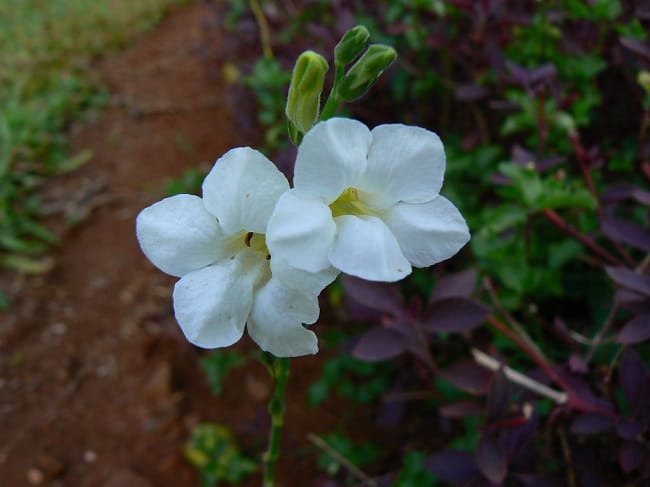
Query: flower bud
360	77
351	45
303	101
643	79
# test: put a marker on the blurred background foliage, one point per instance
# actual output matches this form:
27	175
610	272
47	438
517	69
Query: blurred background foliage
46	83
543	109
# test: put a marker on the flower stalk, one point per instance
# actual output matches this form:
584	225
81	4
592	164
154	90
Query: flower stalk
279	369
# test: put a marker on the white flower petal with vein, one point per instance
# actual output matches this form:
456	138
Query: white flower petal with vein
217	246
367	203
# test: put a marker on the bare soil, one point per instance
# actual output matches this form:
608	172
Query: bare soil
97	385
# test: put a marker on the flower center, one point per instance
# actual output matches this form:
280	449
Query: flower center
350	202
257	242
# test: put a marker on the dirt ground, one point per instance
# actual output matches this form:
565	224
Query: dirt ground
98	387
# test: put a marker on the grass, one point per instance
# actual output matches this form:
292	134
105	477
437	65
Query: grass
46	82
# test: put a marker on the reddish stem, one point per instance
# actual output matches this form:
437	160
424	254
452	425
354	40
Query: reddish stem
574	400
563	225
583	160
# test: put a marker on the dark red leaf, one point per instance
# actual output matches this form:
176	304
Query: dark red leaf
626	232
461	409
491	459
636	330
455	315
630	279
590	423
453	466
632	455
457	285
374	295
633	378
468	377
498	396
380	344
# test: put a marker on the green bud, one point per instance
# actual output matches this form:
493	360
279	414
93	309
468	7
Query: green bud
351	45
360	77
643	78
303	101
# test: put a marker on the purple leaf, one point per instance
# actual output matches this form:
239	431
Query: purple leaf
628	429
455	315
642	196
461	409
457	285
516	439
453	466
380	344
491	459
630	279
590	423
542	73
497	399
468	376
538	480
636	330
577	364
617	192
632	455
631	301
637	47
374	295
471	92
626	232
633	378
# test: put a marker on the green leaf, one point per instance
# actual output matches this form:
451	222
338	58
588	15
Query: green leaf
74	162
212	449
216	366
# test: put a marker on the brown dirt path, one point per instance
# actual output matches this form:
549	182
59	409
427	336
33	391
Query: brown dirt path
97	385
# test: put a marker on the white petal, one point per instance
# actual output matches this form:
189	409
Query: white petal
428	232
311	283
331	158
277	317
301	232
366	248
242	189
178	235
404	163
212	304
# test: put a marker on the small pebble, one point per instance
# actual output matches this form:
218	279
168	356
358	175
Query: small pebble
35	476
90	456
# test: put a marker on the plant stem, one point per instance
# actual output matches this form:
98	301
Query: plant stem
265	34
491	363
279	368
332	102
560	223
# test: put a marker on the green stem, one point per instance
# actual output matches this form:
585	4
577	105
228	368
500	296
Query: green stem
279	368
332	102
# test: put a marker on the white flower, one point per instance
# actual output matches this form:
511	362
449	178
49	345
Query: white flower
367	203
217	246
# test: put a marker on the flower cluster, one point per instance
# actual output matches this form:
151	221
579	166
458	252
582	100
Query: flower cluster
254	252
